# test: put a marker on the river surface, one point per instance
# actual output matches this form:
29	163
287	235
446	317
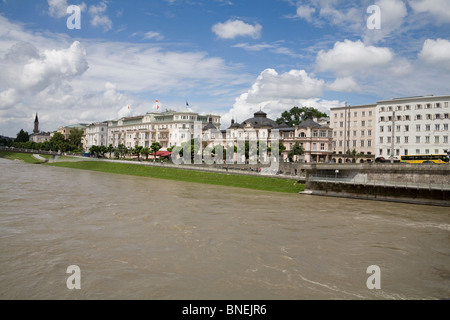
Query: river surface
143	238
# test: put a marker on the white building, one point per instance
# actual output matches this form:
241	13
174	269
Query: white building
416	125
169	128
97	134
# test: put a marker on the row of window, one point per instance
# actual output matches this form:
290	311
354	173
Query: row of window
355	133
353	143
416	107
437	127
429	116
355	114
354	124
437	139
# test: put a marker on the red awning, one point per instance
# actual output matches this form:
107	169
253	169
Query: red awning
163	154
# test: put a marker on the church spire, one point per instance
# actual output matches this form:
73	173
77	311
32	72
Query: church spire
36	124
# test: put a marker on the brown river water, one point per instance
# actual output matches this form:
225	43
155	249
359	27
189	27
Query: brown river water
142	238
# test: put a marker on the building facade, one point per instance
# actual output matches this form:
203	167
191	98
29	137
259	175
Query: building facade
354	128
38	136
169	128
97	134
416	125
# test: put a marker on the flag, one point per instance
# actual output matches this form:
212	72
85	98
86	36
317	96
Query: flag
157	104
187	104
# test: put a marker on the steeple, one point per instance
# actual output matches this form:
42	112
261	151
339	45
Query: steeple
36	124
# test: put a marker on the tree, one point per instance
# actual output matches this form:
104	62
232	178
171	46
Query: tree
297	150
155	147
354	155
110	149
296	115
138	150
74	139
58	143
122	150
22	136
146	151
103	150
95	150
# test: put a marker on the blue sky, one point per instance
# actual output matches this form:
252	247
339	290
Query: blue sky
226	57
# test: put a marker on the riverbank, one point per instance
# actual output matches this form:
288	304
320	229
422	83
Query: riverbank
239	181
25	157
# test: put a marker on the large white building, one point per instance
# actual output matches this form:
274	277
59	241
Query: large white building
97	134
169	128
416	125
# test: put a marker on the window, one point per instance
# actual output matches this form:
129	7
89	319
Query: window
381	119
390	118
427	139
445	115
389	128
407	118
314	146
417	151
335	134
363	123
445	139
382	109
340	143
355	114
335	115
437	116
428	105
362	143
381	129
418	117
427	151
389	108
437	127
427	127
406	139
342	115
369	132
397	128
438	105
417	139
436	139
445	127
369	143
341	124
407	107
389	140
341	133
397	139
381	152
354	133
363	113
445	104
417	127
362	133
370	112
399	108
381	139
323	134
369	123
418	106
397	152
406	152
399	118
429	117
406	128
322	146
315	133
354	143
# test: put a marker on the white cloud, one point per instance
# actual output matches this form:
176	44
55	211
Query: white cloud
436	53
305	12
8	98
58	8
234	28
439	9
153	35
348	57
347	84
393	14
98	17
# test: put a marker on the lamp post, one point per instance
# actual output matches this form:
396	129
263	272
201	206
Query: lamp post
393	137
335	174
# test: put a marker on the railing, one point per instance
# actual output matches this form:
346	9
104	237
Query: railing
391	184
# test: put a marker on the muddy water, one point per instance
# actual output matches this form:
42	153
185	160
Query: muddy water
141	238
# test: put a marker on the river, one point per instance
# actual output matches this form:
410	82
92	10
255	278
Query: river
143	238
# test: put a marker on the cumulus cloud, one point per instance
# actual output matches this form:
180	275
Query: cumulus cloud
153	35
235	28
58	8
439	9
305	12
347	84
436	53
348	57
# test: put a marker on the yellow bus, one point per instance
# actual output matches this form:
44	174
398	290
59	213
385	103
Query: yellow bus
425	158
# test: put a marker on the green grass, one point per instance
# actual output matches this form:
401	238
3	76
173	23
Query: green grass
25	157
240	181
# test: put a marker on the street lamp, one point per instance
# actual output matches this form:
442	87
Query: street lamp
335	174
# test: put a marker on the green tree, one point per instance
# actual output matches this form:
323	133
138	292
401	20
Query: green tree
296	115
297	150
155	147
146	152
122	150
94	150
103	150
110	150
74	139
22	136
58	143
138	150
354	155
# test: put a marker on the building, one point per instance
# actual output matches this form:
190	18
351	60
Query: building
97	134
37	136
415	125
169	128
65	131
353	129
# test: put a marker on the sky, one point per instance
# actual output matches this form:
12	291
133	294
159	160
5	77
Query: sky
226	57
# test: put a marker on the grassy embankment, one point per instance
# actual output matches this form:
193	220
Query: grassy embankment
240	181
25	157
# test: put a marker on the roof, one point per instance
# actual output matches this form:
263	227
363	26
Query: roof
309	123
209	126
163	153
260	120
